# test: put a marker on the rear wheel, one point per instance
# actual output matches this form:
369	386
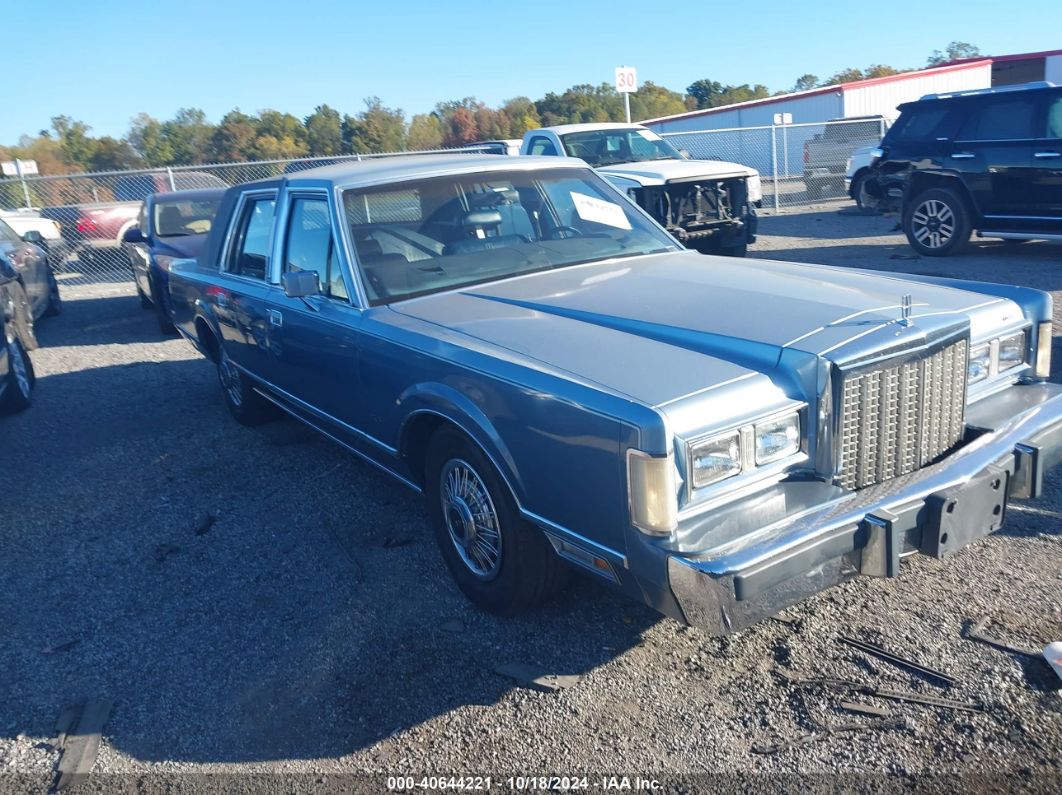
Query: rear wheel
161	312
55	301
499	561
18	393
937	222
245	405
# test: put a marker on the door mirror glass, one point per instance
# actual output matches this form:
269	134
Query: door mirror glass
133	235
300	284
33	236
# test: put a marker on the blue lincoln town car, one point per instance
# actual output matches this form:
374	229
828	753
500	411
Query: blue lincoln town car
718	438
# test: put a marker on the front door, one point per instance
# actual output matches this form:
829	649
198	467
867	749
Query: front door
1046	193
315	357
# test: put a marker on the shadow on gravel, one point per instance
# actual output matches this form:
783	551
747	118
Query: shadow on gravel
110	320
239	594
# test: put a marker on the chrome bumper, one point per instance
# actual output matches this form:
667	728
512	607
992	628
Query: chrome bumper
819	541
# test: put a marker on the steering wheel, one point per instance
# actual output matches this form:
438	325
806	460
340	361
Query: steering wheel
564	232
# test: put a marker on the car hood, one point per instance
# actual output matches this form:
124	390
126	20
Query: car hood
182	246
657	172
655	328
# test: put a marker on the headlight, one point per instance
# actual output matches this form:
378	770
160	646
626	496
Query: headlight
1011	351
980	363
777	438
715	459
653	492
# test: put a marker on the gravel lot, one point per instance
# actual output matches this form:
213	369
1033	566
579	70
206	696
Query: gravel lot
259	601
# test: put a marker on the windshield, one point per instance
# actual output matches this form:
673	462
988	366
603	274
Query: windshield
180	219
607	147
429	235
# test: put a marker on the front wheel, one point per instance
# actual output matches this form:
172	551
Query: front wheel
18	393
500	562
161	312
245	405
55	301
937	222
863	198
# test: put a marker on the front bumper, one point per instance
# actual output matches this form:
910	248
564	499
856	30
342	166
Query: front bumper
813	537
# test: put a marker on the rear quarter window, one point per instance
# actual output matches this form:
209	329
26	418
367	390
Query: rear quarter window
918	124
1002	120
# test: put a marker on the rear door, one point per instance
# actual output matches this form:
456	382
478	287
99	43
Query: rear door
241	296
139	252
1046	193
994	149
31	264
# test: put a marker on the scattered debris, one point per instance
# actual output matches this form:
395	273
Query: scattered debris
536	678
80	744
804	739
61	647
453	625
391	542
163	551
1053	655
893	695
864	709
883	654
977	632
204	525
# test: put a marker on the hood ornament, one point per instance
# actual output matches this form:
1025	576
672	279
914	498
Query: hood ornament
905	310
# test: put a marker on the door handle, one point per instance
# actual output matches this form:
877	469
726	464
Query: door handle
963	156
276	318
1045	155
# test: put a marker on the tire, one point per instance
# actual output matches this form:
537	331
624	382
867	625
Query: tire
55	301
18	394
937	222
161	313
858	191
145	302
501	563
246	406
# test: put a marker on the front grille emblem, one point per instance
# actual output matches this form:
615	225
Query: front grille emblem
905	310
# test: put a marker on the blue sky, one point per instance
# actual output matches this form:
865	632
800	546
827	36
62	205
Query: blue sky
105	60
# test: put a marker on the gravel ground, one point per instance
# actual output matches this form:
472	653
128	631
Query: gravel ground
258	601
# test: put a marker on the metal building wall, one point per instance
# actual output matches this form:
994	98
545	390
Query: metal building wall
1053	69
811	108
881	99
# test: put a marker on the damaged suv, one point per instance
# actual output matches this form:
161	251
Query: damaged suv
707	205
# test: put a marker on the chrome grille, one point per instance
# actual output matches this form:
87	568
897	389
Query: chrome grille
900	417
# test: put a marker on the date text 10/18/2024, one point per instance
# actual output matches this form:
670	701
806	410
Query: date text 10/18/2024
525	783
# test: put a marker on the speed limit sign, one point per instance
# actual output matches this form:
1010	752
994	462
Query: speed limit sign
626	79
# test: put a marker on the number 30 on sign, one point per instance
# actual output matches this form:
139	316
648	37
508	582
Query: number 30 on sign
626	79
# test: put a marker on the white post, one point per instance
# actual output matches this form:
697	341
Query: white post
774	166
22	179
627	105
169	173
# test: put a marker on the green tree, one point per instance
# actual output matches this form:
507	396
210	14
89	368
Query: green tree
114	154
234	137
956	51
147	138
705	93
188	134
324	133
844	76
805	83
879	70
522	115
652	101
280	136
74	140
425	132
377	129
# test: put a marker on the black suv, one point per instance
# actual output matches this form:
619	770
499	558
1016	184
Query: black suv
988	160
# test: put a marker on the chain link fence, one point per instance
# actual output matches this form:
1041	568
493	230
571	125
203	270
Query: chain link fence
94	211
798	163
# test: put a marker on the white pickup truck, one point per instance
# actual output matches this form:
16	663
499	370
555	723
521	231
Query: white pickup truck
706	204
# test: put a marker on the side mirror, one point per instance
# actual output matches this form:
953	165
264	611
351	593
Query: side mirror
33	236
300	284
133	235
686	154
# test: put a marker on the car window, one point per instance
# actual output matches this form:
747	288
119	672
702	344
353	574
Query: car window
541	146
8	234
310	245
249	255
918	124
184	218
1054	118
1002	120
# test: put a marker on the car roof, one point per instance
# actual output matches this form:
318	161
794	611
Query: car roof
402	168
196	195
563	129
981	93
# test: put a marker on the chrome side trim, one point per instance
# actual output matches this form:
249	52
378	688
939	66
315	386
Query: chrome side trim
283	407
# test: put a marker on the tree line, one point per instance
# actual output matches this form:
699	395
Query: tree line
189	138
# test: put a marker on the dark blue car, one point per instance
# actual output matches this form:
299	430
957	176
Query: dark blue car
170	226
